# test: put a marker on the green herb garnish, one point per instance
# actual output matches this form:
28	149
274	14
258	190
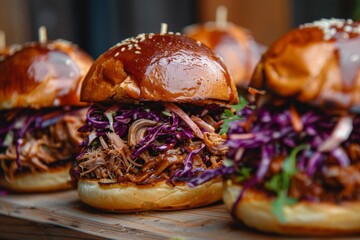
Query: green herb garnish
280	184
242	103
243	174
95	143
231	116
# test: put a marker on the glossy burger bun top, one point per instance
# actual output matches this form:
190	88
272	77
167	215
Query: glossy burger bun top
38	75
317	63
159	67
234	44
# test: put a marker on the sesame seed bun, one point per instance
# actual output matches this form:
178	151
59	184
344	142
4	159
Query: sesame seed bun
159	67
317	63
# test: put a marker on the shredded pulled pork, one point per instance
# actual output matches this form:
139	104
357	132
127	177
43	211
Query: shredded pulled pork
40	149
215	143
334	184
138	130
154	147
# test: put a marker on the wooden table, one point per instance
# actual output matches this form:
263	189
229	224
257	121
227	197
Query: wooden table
61	215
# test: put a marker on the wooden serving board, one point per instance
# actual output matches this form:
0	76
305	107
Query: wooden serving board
69	217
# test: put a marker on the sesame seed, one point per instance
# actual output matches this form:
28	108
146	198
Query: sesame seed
356	30
330	27
137	52
116	54
332	31
141	35
123	49
348	29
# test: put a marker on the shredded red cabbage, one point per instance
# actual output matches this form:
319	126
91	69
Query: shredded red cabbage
271	134
211	174
169	131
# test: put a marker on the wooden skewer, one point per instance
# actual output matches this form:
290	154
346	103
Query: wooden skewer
221	16
42	34
2	40
164	28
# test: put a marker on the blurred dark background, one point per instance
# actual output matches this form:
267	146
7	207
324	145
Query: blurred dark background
96	25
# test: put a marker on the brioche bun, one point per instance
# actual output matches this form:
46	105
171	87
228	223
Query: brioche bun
235	46
159	67
302	219
127	197
38	75
55	179
318	64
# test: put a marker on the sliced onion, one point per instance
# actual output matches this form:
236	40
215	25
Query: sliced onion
92	137
241	136
340	133
204	125
239	153
185	118
110	113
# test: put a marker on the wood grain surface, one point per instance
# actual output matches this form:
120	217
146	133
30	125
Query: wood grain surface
62	216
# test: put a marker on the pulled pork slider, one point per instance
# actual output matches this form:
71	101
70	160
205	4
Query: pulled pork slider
234	44
295	159
154	125
40	114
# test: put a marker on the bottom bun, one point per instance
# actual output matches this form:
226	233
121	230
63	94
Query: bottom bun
302	219
159	196
54	180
